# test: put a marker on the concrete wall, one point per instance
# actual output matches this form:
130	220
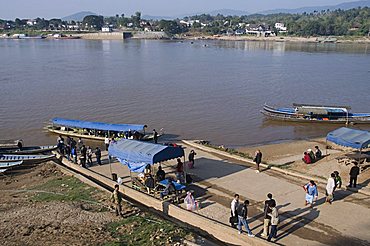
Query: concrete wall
220	231
150	35
103	35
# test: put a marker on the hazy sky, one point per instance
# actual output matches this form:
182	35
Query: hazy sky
59	8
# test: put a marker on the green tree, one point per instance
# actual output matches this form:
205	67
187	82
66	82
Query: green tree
93	22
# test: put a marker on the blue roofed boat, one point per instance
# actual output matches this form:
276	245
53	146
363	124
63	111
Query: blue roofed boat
97	130
316	113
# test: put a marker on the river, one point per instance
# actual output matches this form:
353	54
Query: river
210	90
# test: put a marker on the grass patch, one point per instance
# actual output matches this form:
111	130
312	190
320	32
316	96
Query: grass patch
65	188
145	229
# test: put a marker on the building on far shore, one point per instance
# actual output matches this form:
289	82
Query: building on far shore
260	30
106	29
280	27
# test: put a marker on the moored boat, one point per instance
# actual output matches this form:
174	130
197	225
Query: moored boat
7	165
28	150
316	113
98	130
24	158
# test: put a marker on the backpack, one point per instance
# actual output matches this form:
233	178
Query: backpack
240	209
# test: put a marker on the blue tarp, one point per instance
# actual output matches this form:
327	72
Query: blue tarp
97	125
136	154
356	139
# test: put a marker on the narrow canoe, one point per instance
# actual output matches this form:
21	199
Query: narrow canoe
4	165
28	150
32	158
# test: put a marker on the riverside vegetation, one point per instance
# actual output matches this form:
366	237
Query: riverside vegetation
352	22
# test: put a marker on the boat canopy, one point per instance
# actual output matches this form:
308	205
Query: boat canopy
137	155
356	139
97	125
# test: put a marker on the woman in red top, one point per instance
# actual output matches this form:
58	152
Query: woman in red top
307	158
180	170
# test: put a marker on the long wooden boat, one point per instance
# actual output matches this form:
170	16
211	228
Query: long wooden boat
10	143
316	113
28	150
97	130
7	165
25	158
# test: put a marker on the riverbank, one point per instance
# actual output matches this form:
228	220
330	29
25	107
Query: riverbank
43	204
332	39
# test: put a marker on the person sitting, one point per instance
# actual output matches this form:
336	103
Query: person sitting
169	189
161	175
311	154
306	158
318	153
191	203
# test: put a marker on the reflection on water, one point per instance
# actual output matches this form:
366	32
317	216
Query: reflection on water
280	47
195	91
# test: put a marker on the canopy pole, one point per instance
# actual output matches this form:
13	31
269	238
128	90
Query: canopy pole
184	168
110	164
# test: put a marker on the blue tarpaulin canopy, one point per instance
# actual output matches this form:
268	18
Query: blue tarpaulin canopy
356	139
136	154
97	125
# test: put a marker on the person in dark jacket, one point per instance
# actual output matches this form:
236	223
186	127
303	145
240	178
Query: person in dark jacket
98	155
155	136
353	173
267	217
160	175
191	158
242	218
258	159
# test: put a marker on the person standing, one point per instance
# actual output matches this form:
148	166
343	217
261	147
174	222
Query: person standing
267	218
106	142
80	143
191	158
311	192
353	173
83	156
274	221
234	215
89	155
67	149
242	218
155	136
74	154
338	180
330	186
258	159
98	155
116	199
180	170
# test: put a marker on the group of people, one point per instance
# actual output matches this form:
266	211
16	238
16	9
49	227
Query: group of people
310	157
239	217
76	150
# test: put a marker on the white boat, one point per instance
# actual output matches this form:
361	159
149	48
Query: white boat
28	150
4	165
30	158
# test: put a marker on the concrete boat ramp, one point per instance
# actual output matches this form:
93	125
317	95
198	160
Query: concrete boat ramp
217	178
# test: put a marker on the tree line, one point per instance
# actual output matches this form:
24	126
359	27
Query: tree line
318	23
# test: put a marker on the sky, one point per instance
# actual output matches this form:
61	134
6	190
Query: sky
57	8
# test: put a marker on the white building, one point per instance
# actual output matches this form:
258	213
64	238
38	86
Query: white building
31	22
106	29
280	27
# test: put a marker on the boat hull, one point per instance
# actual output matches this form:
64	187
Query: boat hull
28	150
25	158
147	137
7	165
288	114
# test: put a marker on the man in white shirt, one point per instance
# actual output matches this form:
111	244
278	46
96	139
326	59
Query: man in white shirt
330	188
234	215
